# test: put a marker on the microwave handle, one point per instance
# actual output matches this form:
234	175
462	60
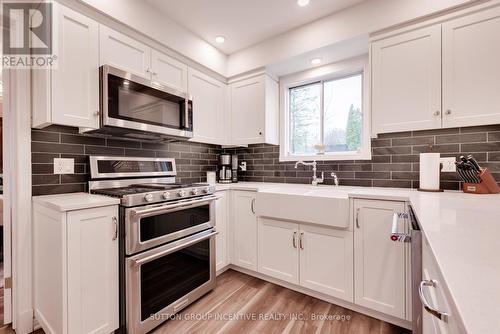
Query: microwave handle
186	113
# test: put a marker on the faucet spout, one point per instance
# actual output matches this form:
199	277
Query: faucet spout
315	179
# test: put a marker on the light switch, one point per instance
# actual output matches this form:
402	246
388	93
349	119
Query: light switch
64	166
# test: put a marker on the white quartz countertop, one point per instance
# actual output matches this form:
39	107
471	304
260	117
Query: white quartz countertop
463	231
74	201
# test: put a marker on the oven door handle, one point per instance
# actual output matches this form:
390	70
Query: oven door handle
191	241
169	207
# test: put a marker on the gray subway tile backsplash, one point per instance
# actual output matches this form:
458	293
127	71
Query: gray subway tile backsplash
65	142
394	160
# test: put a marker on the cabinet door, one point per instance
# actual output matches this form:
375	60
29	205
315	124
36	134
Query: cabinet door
221	219
248	111
278	249
75	89
379	263
208	106
119	50
406	81
168	71
326	261
244	225
471	70
93	270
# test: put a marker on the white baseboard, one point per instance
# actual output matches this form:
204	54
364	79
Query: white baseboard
351	306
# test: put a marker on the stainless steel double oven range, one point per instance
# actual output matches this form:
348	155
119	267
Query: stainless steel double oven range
167	238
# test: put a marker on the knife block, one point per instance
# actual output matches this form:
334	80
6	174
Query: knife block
488	184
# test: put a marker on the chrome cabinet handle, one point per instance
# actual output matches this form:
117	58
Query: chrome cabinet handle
437	113
253	205
300	240
395	235
357	217
115	223
435	312
294	239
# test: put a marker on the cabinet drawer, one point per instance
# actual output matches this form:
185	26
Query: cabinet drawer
437	297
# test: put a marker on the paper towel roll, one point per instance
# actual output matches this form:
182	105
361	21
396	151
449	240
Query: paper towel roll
429	171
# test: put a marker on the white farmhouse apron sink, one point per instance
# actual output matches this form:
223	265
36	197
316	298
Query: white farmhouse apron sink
324	205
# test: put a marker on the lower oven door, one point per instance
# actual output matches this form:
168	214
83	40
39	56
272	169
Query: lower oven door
153	225
162	281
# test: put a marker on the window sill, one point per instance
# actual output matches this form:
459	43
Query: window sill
327	157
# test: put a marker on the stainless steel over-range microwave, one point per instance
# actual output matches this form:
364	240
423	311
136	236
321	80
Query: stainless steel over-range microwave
135	107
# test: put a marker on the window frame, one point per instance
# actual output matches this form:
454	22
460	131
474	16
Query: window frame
324	74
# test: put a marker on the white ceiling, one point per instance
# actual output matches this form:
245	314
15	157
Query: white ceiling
244	22
330	54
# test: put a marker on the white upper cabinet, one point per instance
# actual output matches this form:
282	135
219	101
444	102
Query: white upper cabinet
254	111
406	81
209	108
471	69
68	94
444	75
123	52
168	71
379	263
326	261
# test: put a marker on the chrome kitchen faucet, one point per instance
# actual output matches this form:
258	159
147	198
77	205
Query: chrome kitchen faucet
315	180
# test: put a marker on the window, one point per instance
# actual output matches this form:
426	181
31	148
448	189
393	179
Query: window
325	119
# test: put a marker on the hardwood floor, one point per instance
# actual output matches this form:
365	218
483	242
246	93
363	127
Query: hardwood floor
240	303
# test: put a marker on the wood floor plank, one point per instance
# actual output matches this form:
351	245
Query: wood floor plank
250	300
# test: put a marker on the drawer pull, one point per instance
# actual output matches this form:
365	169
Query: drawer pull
435	312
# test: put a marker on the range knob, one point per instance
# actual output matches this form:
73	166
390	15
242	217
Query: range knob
166	195
195	191
148	197
181	193
206	190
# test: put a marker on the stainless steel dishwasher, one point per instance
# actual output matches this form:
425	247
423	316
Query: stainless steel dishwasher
414	237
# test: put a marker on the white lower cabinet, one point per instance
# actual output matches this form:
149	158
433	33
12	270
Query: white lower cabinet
380	265
278	251
326	261
314	257
244	230
437	296
76	270
221	220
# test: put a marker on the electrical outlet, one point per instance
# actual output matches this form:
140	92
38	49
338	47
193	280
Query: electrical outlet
64	166
448	165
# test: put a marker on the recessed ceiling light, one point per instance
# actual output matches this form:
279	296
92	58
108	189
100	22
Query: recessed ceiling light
316	61
302	3
220	39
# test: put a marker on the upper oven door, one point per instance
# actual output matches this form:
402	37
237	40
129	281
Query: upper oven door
129	101
153	225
